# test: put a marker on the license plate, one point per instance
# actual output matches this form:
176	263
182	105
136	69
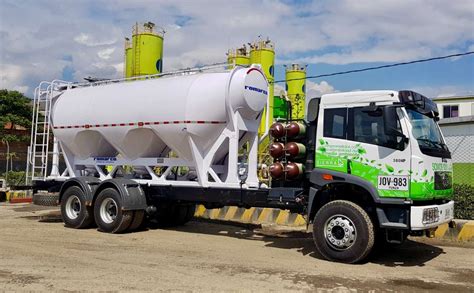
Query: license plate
393	182
430	215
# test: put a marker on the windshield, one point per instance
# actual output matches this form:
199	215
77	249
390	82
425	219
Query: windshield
426	131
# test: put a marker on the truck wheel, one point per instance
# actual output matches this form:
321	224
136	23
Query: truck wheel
184	213
191	212
74	212
46	199
343	231
108	212
173	214
138	218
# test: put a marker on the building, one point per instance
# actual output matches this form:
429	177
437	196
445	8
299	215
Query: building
457	125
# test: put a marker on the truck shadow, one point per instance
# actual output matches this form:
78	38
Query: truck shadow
411	253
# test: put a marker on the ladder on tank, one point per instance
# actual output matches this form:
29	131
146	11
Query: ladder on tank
40	141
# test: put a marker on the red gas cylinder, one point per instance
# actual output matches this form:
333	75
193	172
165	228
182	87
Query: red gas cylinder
277	170
295	130
277	130
277	150
293	170
295	150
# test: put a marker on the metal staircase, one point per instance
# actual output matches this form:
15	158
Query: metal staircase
41	136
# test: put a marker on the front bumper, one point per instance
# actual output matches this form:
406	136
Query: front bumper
431	216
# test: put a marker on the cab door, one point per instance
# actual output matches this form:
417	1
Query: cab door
354	141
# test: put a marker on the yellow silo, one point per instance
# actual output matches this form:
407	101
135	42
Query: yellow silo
295	76
128	70
147	48
238	56
263	52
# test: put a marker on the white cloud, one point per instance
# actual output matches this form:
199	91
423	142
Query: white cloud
92	41
10	76
314	89
105	53
278	90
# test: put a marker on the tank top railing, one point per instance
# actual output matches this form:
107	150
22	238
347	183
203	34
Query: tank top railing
185	71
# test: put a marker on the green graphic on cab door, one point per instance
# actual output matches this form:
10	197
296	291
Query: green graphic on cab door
418	183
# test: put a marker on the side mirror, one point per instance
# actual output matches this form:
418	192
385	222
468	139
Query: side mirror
313	110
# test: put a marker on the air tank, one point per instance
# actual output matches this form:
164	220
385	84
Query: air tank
263	52
147	49
128	58
238	56
145	118
295	76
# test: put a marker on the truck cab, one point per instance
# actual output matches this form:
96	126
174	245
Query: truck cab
382	170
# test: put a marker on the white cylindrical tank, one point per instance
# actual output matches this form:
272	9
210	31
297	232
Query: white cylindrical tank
142	118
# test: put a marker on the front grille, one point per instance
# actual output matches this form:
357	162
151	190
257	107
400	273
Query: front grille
443	180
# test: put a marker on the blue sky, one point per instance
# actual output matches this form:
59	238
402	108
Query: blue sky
75	39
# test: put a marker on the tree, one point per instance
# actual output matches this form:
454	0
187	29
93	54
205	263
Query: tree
15	110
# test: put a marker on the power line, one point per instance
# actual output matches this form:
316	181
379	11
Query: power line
378	67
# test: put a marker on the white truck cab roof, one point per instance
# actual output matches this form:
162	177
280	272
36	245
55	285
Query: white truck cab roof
359	97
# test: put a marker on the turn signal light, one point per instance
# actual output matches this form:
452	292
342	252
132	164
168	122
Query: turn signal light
327	177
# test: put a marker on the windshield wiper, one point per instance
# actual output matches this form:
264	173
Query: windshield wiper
429	142
433	144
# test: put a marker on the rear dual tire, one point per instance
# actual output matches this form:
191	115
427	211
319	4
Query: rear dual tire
110	216
173	214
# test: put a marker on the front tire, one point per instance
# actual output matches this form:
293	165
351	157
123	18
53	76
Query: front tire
74	212
108	212
343	232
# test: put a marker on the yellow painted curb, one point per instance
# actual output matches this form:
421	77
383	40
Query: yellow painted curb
441	231
230	213
247	216
252	216
282	217
467	232
17	194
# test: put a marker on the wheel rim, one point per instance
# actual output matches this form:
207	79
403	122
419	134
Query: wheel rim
340	232
108	210
73	207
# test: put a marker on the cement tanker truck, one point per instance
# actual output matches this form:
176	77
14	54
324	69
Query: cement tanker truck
362	167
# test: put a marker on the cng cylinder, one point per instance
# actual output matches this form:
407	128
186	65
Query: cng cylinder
295	150
295	130
277	170
277	130
146	117
294	170
277	150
